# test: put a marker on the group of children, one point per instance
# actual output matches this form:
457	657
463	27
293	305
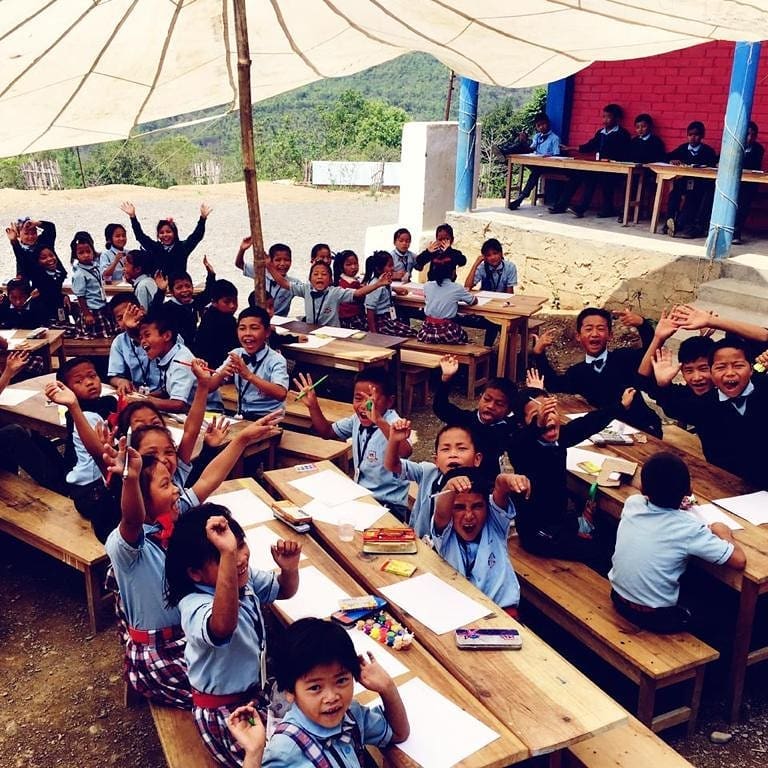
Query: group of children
690	201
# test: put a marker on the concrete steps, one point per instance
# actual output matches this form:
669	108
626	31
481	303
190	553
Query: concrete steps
747	295
749	267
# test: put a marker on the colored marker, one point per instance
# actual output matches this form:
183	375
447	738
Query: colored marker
127	446
308	389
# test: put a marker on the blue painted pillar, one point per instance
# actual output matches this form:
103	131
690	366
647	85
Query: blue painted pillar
746	57
465	147
559	103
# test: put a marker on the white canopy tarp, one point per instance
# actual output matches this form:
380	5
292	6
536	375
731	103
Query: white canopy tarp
76	72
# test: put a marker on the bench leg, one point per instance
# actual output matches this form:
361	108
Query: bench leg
740	650
698	686
471	378
556	759
645	701
98	605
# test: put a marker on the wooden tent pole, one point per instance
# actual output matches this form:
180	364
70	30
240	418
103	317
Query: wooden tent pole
246	140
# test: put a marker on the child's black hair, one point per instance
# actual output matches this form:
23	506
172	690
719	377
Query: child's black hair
148	466
400	231
316	248
318	265
524	396
174	277
223	289
276	248
123	298
730	342
463	427
310	643
79	238
142	260
163	320
615	110
693	348
69	365
480	481
138	434
587	311
441	271
540	117
491	245
18	284
124	417
644	117
665	480
507	387
753	125
379	378
698	126
258	312
109	232
189	548
374	265
446	228
169	223
338	264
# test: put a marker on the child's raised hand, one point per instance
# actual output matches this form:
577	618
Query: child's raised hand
449	366
399	430
246	243
161	281
459	484
545	407
534	379
627	396
57	392
205	211
105	434
16	360
128	208
123	387
629	318
762	358
271	419
286	553
217	432
543	340
201	371
512	483
370	406
434	246
209	268
667	325
220	534
115	460
236	364
664	367
248	730
132	316
12	231
304	391
372	675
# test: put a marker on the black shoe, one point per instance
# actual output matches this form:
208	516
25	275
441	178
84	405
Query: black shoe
736	239
513	205
557	209
577	212
670	227
606	214
689	233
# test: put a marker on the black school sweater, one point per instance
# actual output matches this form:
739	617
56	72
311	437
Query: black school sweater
650	150
611	146
216	337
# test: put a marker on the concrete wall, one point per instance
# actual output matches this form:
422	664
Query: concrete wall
575	267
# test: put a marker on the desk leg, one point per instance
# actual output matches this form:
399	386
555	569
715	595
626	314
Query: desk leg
657	203
639	195
398	380
627	197
508	184
504	350
740	651
523	331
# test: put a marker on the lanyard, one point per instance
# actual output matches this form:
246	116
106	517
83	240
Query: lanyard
494	276
468	564
361	448
315	311
96	275
144	371
242	390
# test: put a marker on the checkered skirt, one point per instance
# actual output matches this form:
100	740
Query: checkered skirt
103	325
441	333
158	671
212	725
393	327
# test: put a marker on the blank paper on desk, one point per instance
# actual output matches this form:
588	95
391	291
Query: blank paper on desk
260	541
13	396
387	658
442	734
246	507
330	487
434	603
753	507
360	513
317	596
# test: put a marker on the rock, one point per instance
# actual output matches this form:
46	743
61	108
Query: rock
720	737
94	730
11	728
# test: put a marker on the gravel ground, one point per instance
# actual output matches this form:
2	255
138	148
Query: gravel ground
60	688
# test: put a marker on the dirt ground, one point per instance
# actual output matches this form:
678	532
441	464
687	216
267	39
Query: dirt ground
60	687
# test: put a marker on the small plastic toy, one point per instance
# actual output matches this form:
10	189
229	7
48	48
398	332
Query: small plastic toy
387	631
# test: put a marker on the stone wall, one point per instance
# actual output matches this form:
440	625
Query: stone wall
577	266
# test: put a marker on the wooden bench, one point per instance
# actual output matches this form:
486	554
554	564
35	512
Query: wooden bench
578	599
416	368
297	448
476	357
181	742
629	746
49	522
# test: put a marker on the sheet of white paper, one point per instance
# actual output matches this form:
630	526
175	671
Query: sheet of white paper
317	596
279	320
312	342
425	707
260	539
16	343
362	514
431	601
496	295
247	508
177	433
330	487
13	396
482	300
753	507
338	333
574	456
709	513
615	425
575	415
107	389
388	659
7	334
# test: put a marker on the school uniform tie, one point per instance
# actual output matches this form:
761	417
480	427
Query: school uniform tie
597	364
738	402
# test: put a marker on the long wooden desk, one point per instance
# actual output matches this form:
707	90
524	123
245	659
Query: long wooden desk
47	346
569	164
122	286
505	750
709	483
510	311
542	699
666	172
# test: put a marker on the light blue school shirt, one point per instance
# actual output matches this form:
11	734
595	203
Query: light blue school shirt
496	278
269	365
283	751
442	301
187	498
106	258
322	309
425	474
403	261
368	449
177	380
86	470
280	296
140	573
231	666
87	284
653	545
545	143
380	300
486	562
145	288
128	360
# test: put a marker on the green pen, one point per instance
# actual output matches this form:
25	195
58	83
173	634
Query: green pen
319	381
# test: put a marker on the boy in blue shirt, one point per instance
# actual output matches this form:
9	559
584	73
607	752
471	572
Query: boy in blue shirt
470	529
370	429
280	257
138	272
654	541
544	143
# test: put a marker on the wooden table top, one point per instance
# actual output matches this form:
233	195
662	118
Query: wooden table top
545	702
19	340
669	171
342	350
362	337
507	305
575	163
505	750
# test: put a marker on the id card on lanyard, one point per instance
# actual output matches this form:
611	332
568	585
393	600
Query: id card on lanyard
362	446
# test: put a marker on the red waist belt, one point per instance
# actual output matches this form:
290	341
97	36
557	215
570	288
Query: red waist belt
215	700
439	320
150	636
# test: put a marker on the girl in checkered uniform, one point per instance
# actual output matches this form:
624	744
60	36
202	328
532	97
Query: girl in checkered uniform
96	319
441	305
379	309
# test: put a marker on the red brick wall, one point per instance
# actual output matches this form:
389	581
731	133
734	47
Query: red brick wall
674	88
